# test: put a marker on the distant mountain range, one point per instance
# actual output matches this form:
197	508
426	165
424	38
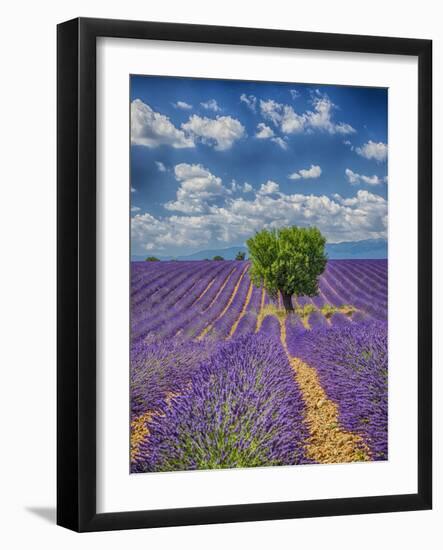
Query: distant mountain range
370	249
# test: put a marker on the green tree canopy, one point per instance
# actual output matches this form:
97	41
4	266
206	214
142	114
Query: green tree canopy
152	259
240	255
287	260
218	258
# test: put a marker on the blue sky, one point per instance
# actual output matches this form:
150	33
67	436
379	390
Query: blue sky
213	161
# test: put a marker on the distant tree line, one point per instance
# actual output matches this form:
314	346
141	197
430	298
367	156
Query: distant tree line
240	256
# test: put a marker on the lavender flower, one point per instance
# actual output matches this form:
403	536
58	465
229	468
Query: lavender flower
243	409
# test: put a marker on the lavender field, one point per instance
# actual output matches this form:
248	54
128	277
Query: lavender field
222	377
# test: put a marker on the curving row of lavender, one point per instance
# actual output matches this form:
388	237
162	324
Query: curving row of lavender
215	375
352	364
242	409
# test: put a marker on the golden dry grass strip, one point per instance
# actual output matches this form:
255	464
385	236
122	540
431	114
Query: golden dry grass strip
260	313
328	442
139	431
205	290
305	321
227	306
139	426
242	312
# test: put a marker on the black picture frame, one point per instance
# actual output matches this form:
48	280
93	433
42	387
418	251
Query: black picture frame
76	280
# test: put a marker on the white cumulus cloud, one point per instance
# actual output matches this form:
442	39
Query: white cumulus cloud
149	233
363	216
198	187
280	142
182	105
355	179
222	131
309	173
151	129
263	131
373	150
207	213
211	105
241	188
250	101
291	122
269	188
271	110
160	166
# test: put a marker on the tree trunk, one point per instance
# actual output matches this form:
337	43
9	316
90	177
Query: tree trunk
287	301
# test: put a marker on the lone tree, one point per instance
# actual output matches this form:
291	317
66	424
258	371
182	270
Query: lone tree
240	255
218	258
287	260
152	259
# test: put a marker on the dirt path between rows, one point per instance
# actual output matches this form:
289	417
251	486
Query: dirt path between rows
328	442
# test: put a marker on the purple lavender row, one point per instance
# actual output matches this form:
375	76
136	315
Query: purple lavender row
376	309
161	369
379	267
210	315
347	296
243	409
345	279
154	293
316	320
352	365
183	321
270	328
338	320
190	321
148	278
151	276
148	316
255	301
319	301
330	293
248	322
373	269
222	327
360	316
302	300
139	270
366	274
233	272
159	286
360	282
149	319
174	290
246	325
294	330
358	285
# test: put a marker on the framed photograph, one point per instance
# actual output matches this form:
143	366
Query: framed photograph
244	274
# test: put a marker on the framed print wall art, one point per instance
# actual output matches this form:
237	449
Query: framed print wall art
244	274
